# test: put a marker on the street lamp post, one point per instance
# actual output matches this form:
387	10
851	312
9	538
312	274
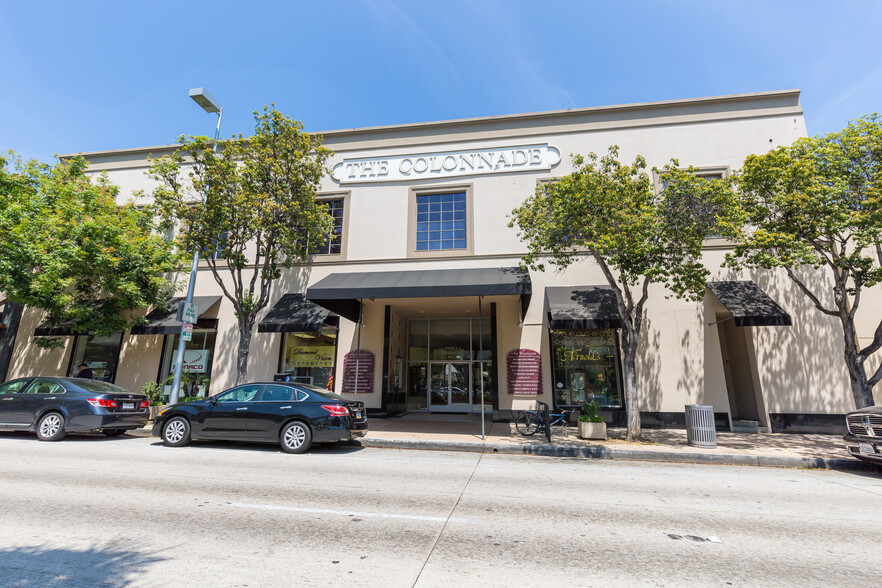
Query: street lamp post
210	105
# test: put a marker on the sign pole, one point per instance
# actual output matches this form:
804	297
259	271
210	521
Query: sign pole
481	360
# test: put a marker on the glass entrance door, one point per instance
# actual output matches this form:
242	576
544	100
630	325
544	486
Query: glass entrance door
450	386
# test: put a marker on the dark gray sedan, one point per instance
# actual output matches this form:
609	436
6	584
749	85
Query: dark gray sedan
53	407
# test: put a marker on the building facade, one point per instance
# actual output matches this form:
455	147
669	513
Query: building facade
417	303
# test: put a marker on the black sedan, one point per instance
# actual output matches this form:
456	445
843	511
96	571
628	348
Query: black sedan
294	415
53	407
864	438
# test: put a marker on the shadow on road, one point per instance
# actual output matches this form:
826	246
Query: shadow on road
322	448
56	567
87	437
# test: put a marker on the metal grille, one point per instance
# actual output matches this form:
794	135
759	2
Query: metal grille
857	425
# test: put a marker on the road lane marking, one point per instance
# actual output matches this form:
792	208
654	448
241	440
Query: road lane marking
349	513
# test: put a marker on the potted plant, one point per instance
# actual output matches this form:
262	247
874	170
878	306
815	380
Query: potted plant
591	425
153	392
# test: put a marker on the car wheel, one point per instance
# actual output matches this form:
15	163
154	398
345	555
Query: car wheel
51	427
114	432
296	437
176	432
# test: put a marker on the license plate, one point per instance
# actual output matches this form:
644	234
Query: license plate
128	406
358	414
866	448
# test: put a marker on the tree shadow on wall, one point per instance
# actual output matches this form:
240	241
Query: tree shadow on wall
109	565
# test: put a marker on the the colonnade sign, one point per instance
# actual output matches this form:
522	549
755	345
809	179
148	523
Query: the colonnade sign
446	164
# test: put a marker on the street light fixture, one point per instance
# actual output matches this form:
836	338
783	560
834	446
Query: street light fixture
210	105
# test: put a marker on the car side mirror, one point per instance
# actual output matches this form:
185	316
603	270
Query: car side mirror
213	400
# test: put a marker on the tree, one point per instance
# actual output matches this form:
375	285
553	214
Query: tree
638	236
249	209
68	249
816	204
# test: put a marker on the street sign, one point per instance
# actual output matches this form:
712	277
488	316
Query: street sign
189	312
187	332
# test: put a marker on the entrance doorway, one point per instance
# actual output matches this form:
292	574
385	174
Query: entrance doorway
745	401
448	361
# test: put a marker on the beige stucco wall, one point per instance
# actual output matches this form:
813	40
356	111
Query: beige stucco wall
799	368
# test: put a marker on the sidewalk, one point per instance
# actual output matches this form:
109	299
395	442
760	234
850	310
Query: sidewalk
452	433
669	445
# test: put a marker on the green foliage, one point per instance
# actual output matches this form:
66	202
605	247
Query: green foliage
253	202
613	212
636	234
153	392
590	412
67	248
818	204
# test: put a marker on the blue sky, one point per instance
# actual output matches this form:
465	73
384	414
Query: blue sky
84	76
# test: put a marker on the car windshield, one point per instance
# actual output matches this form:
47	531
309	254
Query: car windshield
100	387
322	392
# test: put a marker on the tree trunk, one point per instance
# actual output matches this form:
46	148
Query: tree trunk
629	373
10	318
860	388
246	326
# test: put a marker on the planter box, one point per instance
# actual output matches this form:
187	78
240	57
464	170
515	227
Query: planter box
592	430
154	411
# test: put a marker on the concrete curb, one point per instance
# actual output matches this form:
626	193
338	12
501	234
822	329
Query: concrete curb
602	452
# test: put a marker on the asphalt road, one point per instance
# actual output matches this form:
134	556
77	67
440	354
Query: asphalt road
91	511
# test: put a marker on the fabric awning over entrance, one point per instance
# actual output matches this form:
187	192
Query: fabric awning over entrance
293	313
582	307
166	322
65	329
340	293
749	305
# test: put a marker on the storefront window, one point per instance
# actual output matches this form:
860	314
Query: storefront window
309	357
586	367
99	353
198	359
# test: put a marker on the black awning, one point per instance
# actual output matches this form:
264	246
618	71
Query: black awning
166	323
341	293
749	305
65	329
293	313
582	307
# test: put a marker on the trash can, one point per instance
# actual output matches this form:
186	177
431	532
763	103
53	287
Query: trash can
700	428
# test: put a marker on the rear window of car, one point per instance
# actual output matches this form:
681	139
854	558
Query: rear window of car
322	392
100	387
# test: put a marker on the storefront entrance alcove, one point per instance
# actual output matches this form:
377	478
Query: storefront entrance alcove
447	360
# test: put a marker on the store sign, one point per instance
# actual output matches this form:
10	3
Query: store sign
524	372
309	356
196	360
446	164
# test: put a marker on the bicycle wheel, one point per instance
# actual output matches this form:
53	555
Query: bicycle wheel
559	426
527	423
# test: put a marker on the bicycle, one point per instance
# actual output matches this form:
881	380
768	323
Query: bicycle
531	422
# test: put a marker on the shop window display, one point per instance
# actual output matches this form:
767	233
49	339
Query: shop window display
586	367
309	357
99	353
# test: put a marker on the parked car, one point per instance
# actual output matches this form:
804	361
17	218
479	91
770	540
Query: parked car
293	415
864	438
53	407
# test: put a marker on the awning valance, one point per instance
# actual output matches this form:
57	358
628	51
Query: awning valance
293	313
582	307
166	323
749	305
64	329
341	293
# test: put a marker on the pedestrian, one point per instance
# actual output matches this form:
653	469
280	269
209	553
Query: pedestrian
85	371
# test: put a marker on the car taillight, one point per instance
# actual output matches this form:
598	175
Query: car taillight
336	409
144	404
102	402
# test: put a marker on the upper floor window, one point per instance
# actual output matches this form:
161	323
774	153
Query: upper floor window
441	221
334	243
